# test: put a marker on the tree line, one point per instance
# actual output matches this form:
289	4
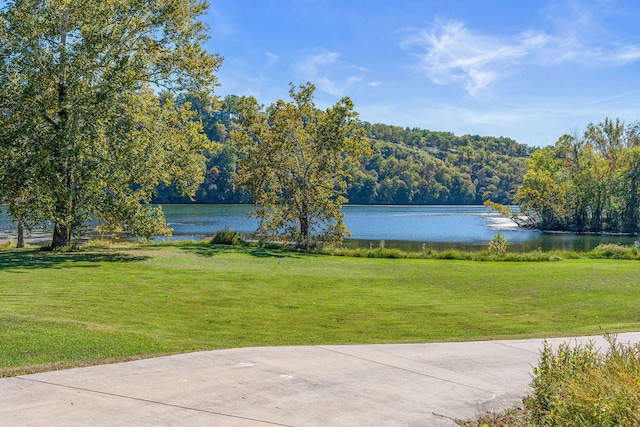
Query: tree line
404	166
108	107
586	182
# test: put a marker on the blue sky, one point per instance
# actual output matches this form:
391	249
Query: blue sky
529	70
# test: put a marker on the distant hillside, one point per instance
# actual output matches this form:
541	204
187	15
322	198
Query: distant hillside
408	166
416	166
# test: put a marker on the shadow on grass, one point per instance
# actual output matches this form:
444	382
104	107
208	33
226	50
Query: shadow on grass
40	259
209	250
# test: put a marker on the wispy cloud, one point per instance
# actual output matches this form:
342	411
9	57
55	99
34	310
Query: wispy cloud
614	97
453	54
611	56
271	59
222	25
329	73
580	35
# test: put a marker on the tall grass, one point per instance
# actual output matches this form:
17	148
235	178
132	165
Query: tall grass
384	252
496	250
228	237
581	386
615	251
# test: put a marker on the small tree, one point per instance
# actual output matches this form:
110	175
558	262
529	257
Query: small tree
294	162
498	245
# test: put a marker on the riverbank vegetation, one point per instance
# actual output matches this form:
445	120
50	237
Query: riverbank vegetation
587	182
497	250
116	302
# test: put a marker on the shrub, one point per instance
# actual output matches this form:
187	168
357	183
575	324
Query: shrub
386	253
498	245
383	252
580	386
615	251
228	237
452	254
61	249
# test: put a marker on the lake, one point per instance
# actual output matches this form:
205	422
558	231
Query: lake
406	227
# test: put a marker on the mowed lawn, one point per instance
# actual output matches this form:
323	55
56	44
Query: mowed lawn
105	304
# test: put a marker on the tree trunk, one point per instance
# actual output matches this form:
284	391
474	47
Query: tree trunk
304	226
631	215
60	236
20	243
304	222
61	233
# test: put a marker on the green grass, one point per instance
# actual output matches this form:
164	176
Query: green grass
121	302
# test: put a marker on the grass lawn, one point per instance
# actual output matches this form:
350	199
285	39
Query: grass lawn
107	304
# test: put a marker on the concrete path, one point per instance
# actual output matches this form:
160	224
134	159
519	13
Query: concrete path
359	385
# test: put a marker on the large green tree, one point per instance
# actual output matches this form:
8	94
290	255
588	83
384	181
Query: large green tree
587	182
79	85
295	163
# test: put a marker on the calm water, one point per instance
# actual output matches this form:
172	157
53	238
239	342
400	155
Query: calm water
407	227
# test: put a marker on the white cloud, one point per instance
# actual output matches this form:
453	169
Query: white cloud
450	53
271	59
613	56
453	54
615	97
329	73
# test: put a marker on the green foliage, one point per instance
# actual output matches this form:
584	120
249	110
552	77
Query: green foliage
82	130
382	252
406	166
422	167
511	417
61	249
615	251
581	386
228	237
578	385
586	182
221	167
294	161
498	245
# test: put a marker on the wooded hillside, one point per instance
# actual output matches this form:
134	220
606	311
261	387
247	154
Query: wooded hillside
408	166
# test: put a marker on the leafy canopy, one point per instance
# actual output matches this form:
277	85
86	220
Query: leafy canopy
588	182
83	130
295	163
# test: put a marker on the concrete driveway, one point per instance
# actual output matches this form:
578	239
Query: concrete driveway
356	385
